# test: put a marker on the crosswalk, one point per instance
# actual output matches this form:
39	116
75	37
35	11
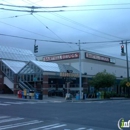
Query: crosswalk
20	103
42	102
20	123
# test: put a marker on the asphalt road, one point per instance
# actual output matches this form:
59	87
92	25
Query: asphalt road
90	115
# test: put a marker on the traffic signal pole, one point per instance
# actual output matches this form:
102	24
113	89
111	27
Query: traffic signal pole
125	54
127	61
80	73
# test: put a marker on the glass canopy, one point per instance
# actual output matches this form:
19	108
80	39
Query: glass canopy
16	54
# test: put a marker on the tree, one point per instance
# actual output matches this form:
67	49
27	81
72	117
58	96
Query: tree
123	83
103	79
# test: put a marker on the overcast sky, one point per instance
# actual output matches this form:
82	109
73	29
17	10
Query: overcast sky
101	20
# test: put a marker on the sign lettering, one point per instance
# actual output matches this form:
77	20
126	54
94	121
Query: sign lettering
97	57
61	57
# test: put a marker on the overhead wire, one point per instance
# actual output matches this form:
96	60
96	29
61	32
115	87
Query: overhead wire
25	30
98	30
47	27
90	28
51	30
14	16
72	21
62	18
27	38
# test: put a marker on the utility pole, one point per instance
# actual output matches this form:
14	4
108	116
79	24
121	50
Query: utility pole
125	54
127	61
127	64
80	73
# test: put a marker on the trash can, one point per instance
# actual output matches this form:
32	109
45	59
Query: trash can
36	95
84	96
77	96
40	96
25	93
31	94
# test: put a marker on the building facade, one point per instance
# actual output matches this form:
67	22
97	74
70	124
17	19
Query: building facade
91	64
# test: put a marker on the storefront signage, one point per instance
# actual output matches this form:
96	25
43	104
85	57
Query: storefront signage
97	57
61	57
64	74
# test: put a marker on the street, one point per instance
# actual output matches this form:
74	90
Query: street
89	115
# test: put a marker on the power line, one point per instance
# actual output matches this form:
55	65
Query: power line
72	21
64	6
117	4
14	16
74	28
60	41
35	39
25	30
30	11
33	7
94	9
48	28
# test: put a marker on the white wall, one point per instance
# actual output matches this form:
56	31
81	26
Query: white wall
8	83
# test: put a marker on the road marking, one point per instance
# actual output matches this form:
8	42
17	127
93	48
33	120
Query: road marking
55	127
15	102
44	126
11	119
2	104
19	124
81	128
21	102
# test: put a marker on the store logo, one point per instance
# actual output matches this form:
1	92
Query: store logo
122	124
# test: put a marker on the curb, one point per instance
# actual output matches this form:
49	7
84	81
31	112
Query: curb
63	100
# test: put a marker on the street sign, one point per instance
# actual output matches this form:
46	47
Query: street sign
128	84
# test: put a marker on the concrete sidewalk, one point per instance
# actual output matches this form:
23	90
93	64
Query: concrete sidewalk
57	99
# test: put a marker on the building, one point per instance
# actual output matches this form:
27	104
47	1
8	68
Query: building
91	64
19	70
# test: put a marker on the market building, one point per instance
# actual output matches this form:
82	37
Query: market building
91	64
19	70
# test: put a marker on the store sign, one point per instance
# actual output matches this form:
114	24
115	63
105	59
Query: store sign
61	57
64	74
97	57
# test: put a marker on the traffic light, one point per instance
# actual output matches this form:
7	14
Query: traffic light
35	48
122	48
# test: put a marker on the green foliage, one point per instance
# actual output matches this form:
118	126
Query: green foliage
123	82
107	95
102	80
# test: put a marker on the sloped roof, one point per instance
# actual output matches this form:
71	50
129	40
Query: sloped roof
15	66
47	66
16	54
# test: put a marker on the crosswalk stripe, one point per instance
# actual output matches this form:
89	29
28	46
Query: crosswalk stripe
44	126
11	119
80	129
19	124
1	117
21	102
14	102
55	127
2	104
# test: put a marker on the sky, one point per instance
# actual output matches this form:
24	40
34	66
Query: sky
99	25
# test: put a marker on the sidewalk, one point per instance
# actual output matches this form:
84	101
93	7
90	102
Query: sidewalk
58	99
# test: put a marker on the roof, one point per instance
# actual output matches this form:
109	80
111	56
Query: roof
16	54
15	66
47	66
